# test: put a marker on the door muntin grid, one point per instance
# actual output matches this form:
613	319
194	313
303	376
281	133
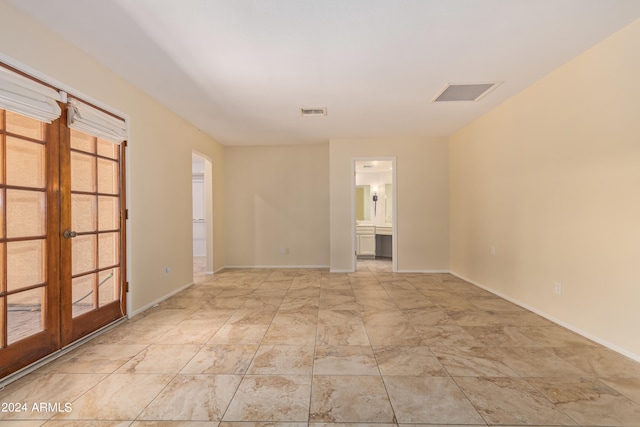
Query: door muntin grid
95	216
23	231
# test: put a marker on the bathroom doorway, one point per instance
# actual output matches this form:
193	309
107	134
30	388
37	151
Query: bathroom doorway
202	215
374	203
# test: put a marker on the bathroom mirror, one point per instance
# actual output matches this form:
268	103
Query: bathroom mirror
388	203
362	203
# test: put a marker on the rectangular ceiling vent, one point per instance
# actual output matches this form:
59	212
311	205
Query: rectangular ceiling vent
313	112
465	92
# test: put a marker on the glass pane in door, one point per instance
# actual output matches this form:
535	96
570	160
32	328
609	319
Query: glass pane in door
23	228
95	212
25	213
82	294
24	314
25	263
109	283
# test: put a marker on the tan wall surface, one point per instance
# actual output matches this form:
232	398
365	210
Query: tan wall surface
551	179
422	195
277	196
159	158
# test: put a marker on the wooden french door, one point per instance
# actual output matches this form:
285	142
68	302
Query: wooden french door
61	237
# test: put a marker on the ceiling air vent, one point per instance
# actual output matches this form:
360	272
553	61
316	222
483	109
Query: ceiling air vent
313	112
465	92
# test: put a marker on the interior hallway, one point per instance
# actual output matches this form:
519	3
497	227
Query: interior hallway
307	347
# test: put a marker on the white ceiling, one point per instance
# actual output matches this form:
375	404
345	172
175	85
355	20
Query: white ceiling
240	70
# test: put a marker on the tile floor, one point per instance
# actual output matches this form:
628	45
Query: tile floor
309	348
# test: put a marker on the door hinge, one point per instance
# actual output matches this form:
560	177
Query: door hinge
125	288
126	214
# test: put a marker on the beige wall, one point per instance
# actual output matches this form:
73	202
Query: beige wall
159	158
422	197
551	178
277	196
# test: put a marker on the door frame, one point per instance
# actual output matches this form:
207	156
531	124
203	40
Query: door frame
394	209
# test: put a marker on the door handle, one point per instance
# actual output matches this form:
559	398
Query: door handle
69	234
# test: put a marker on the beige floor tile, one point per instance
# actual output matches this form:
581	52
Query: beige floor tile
555	336
472	362
239	334
46	388
428	334
95	358
413	303
446	336
357	399
395	283
451	425
482	318
402	334
271	398
342	335
345	360
303	316
629	387
78	423
118	397
24	423
134	333
500	336
290	335
262	303
260	424
406	360
377	305
193	398
221	302
282	360
214	316
429	400
590	402
392	317
537	362
339	317
296	303
182	302
190	332
160	359
161	315
600	362
511	401
221	359
430	317
252	317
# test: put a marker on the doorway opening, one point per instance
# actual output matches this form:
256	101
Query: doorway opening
374	214
202	209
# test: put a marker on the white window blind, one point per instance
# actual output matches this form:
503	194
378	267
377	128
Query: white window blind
27	97
87	119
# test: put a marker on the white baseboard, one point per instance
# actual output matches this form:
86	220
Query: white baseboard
424	271
275	266
341	271
159	300
553	319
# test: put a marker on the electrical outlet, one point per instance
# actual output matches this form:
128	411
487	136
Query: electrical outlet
167	270
493	250
284	250
558	288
